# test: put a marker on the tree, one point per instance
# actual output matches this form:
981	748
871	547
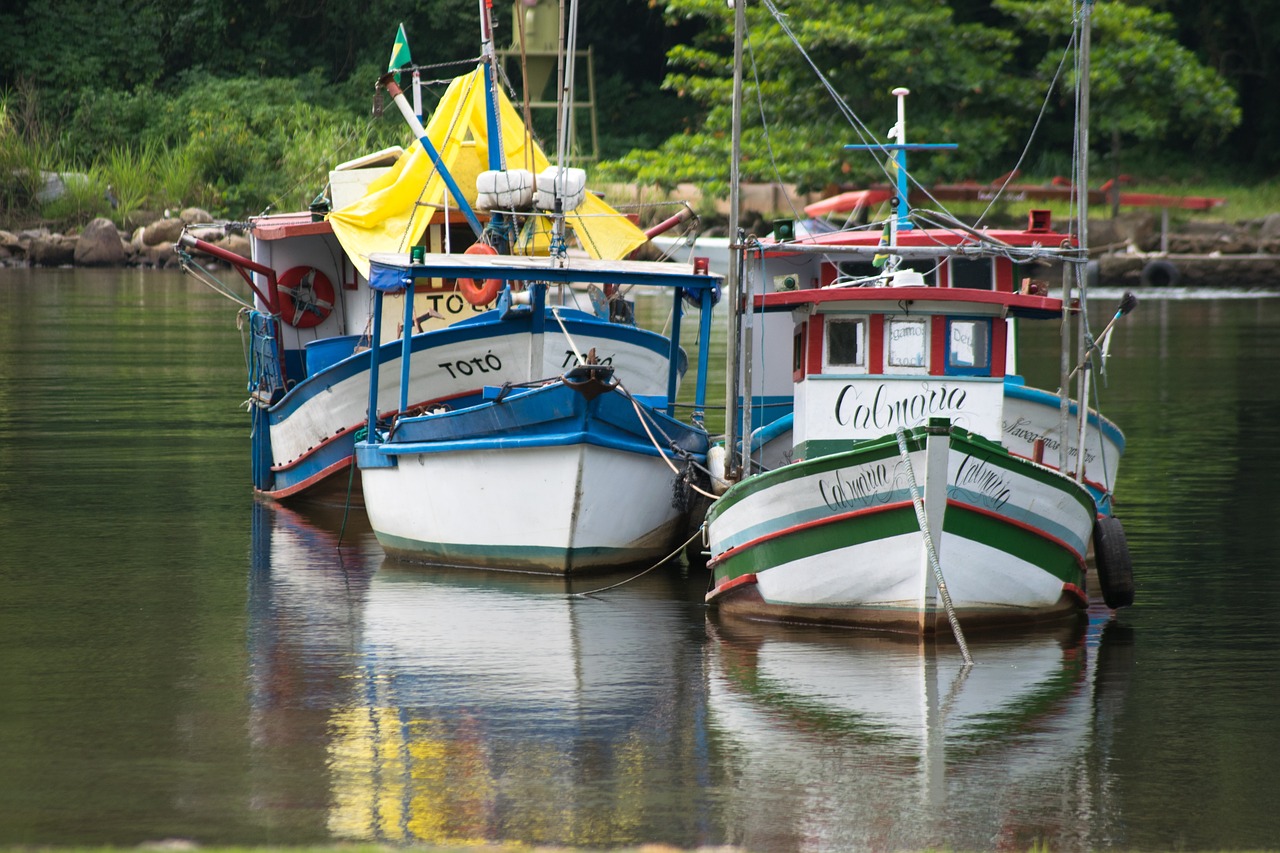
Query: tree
1144	86
977	83
953	70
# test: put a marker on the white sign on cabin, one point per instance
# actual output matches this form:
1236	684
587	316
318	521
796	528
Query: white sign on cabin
843	408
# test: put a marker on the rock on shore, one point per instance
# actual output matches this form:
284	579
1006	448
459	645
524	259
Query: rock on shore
101	244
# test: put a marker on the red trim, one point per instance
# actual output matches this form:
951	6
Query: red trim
875	344
786	299
340	465
818	522
999	345
817	335
1076	591
1097	485
938	345
389	413
729	586
827	273
1003	268
287	225
1027	527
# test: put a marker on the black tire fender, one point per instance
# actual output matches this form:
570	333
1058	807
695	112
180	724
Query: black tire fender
1160	273
1115	567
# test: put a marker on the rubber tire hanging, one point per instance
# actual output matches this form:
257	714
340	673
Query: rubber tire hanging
1115	567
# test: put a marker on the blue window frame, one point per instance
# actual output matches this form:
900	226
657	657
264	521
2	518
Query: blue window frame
968	346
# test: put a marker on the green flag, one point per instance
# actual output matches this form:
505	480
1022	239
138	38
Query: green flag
878	260
400	52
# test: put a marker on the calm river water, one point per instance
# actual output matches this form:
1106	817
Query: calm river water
180	661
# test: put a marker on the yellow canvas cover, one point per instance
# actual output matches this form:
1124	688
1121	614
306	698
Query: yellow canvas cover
398	206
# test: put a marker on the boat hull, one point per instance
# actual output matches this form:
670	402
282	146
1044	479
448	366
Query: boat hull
836	539
312	430
546	481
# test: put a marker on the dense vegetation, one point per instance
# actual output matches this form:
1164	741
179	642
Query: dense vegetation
239	104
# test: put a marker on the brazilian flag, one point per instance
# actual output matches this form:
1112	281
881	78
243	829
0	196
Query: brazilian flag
400	53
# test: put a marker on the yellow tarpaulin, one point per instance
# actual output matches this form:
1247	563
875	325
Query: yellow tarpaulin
398	206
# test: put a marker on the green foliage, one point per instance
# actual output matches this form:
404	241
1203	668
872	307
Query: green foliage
968	85
1144	85
961	93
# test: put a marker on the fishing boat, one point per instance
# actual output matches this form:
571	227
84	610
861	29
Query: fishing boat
575	473
310	319
900	498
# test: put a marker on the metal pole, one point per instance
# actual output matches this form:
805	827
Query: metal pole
733	284
1082	399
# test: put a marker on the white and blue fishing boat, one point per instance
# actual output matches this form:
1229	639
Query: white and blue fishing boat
577	472
309	321
907	479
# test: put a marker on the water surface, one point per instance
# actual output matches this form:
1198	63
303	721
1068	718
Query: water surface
178	660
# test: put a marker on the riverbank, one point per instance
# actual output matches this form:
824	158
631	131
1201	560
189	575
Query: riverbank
1134	250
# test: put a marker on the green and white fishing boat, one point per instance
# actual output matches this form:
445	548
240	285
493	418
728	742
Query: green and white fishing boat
899	502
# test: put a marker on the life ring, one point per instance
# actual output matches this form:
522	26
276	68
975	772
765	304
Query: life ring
476	293
1115	567
1160	273
306	297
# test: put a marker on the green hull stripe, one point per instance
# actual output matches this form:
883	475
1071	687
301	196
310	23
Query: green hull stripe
808	541
1019	542
511	557
1023	543
882	448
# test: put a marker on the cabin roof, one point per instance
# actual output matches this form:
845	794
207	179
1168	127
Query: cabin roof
937	300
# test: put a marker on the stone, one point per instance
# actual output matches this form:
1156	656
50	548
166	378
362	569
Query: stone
100	245
1271	227
194	216
163	231
239	244
161	255
52	251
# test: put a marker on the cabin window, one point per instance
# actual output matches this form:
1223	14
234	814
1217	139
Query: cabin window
969	347
908	342
846	344
976	274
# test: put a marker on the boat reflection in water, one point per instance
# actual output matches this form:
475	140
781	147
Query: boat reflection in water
484	706
841	741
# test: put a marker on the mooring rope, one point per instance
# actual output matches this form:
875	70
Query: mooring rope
923	521
681	547
644	422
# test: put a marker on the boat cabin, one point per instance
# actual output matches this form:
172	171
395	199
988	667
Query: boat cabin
871	351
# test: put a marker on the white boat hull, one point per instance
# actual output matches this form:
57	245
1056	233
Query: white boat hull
837	539
557	510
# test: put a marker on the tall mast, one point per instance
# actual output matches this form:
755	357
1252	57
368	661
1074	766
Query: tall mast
734	281
1075	274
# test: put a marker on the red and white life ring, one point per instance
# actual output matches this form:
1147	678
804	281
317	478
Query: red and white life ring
306	297
473	291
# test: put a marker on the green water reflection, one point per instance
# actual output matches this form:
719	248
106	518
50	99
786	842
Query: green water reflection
180	661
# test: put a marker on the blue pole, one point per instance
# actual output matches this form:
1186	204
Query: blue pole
405	346
673	364
372	426
704	356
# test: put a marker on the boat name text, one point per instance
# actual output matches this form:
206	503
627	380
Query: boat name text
1022	429
986	481
868	485
884	412
487	363
571	359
